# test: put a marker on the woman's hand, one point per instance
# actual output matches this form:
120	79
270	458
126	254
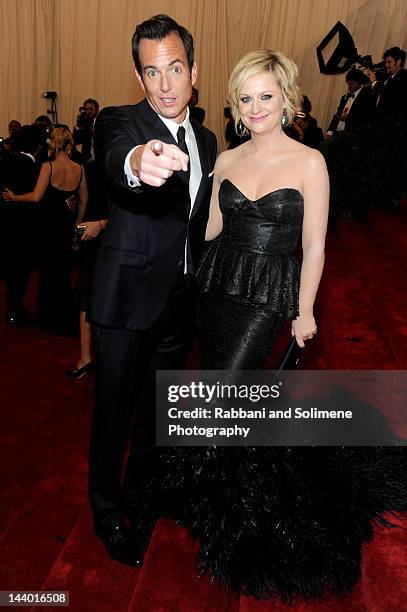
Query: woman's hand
303	328
92	230
8	195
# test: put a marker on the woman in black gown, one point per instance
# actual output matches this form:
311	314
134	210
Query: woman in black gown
272	521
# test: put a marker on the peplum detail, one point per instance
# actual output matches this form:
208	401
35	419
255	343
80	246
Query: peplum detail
257	278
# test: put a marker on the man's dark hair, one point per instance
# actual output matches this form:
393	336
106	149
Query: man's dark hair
157	28
396	53
95	103
43	119
28	139
356	75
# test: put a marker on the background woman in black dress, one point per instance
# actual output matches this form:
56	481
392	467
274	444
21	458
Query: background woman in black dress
93	223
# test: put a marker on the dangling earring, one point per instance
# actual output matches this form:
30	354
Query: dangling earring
241	129
284	119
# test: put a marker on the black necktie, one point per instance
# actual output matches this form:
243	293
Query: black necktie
183	146
350	95
185	177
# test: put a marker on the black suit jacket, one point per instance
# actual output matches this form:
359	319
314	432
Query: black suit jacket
19	173
391	96
142	250
360	113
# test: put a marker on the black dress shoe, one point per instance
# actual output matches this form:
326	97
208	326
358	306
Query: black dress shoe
80	372
120	543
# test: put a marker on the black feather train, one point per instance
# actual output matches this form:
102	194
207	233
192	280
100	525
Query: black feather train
277	522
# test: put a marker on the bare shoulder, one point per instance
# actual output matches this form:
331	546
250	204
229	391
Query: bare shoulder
310	162
312	159
46	167
304	154
225	159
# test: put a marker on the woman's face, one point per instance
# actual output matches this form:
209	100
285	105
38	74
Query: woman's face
261	103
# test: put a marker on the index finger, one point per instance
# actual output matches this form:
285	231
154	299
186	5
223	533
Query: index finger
175	152
157	147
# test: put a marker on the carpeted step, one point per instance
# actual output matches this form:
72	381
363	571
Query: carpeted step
40	529
389	229
354	602
41	407
384	569
169	577
349	335
384	282
93	579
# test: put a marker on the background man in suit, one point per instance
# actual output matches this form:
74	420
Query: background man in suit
18	235
196	112
356	108
391	94
83	130
157	165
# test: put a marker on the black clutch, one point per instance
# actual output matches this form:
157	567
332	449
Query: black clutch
291	357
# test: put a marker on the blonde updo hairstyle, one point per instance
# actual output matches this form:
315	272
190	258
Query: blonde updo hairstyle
284	70
61	140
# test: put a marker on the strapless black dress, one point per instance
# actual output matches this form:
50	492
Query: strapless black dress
249	278
271	521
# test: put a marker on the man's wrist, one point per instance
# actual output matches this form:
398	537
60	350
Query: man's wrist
131	174
135	160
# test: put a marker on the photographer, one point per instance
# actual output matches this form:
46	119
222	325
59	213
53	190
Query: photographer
390	94
83	131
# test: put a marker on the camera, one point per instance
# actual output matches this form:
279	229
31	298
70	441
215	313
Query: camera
379	68
84	122
50	95
3	150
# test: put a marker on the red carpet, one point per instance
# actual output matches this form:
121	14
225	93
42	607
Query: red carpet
45	524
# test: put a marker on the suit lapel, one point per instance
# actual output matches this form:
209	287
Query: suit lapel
159	129
203	158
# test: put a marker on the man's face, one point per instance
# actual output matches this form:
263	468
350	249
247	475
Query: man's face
90	110
391	65
165	76
353	86
14	126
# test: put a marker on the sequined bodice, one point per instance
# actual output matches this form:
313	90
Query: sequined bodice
270	225
253	256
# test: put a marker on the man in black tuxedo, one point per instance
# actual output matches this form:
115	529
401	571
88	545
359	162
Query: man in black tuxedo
157	164
391	94
356	108
18	222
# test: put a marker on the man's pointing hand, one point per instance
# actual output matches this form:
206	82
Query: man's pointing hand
154	162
